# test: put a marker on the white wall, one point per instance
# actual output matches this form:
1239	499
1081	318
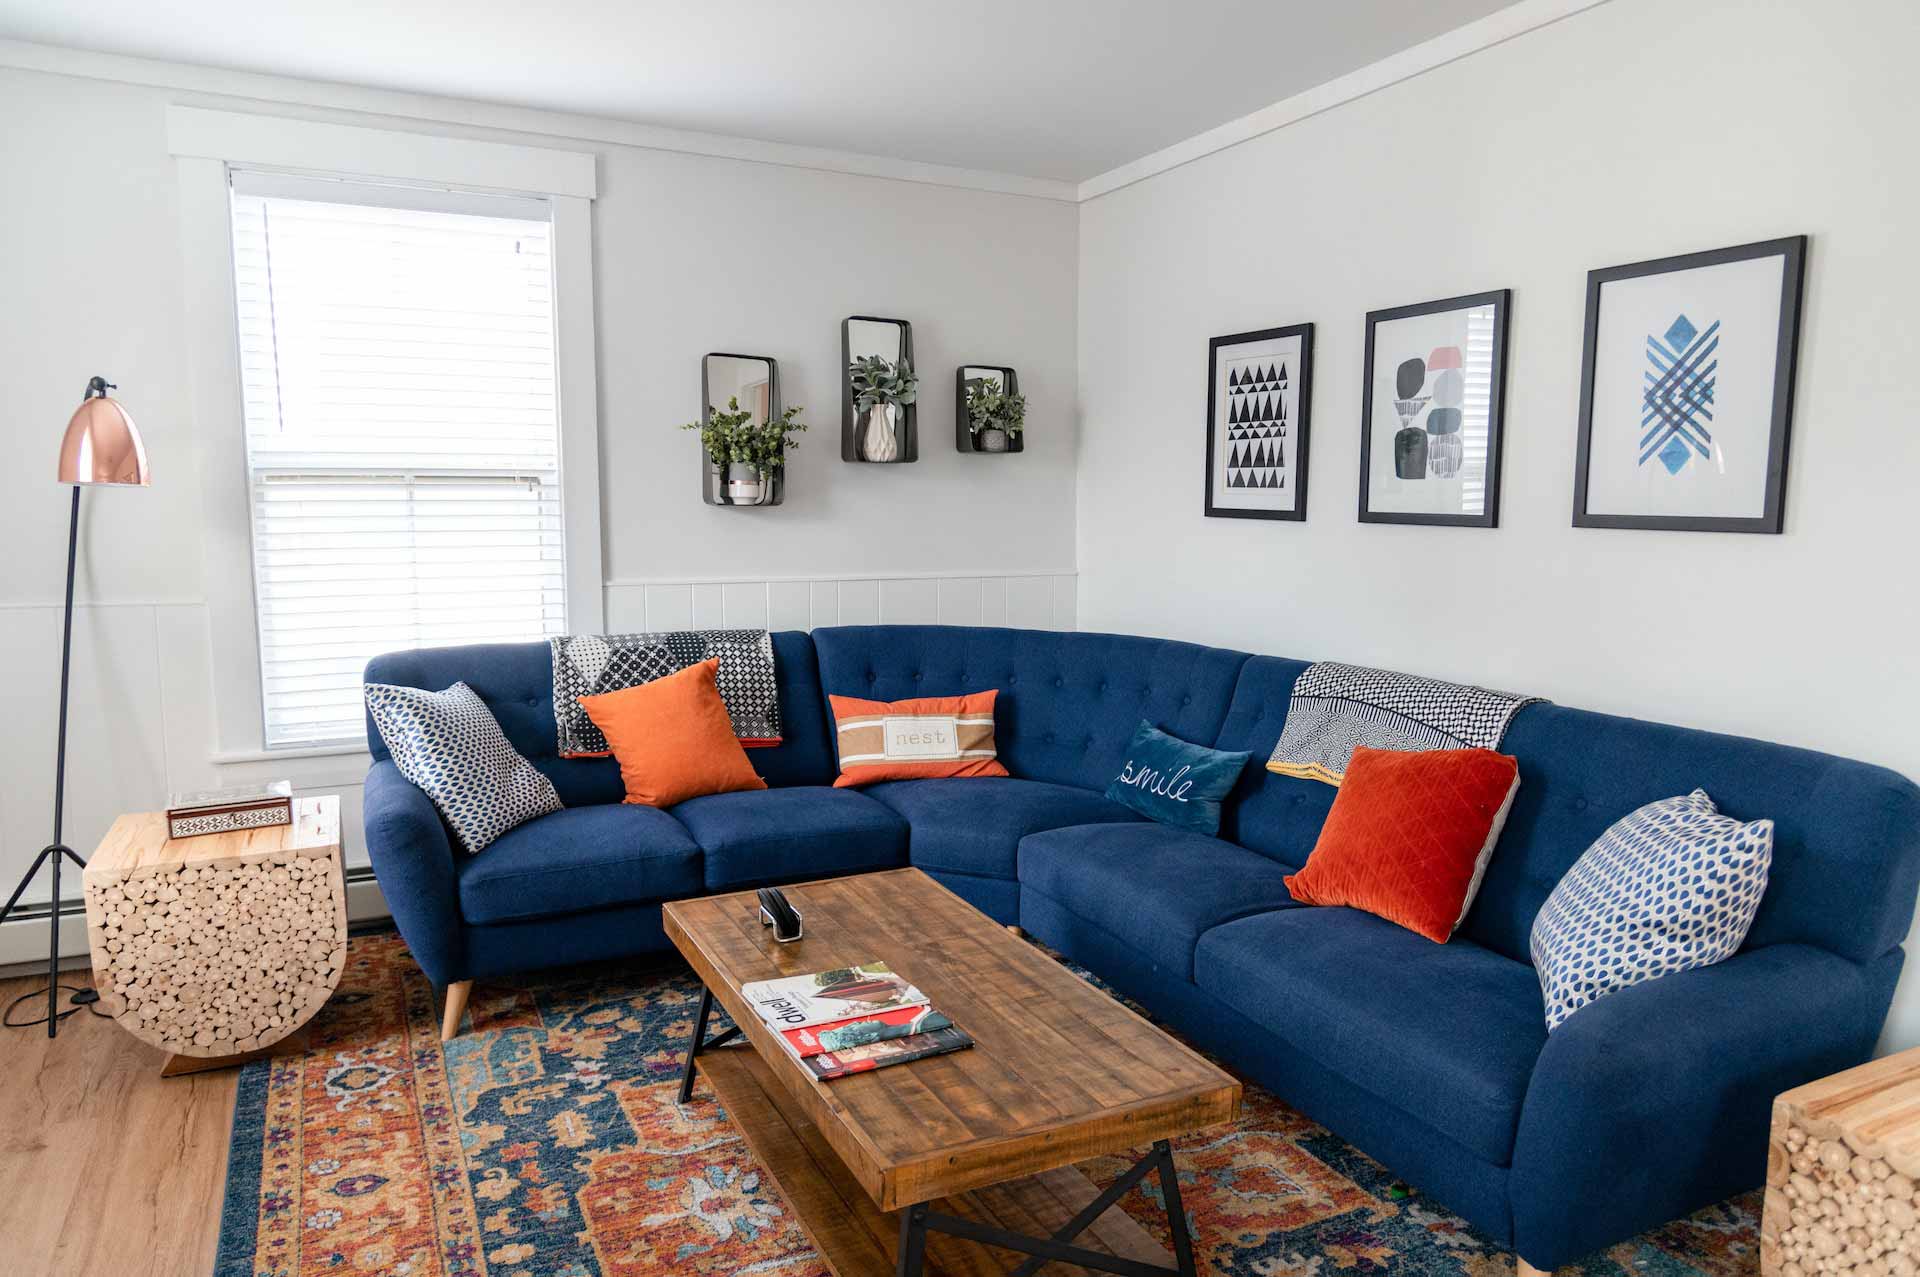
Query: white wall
1634	130
693	254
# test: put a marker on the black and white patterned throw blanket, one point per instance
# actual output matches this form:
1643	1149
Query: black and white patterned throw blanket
1337	708
589	664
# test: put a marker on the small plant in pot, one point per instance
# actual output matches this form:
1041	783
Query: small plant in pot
995	416
750	453
882	388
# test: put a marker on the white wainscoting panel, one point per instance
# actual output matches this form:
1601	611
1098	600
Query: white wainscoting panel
1028	600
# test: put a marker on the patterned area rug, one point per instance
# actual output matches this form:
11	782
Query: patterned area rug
546	1143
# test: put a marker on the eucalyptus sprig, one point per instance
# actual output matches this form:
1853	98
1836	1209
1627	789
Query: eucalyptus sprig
733	436
878	380
991	407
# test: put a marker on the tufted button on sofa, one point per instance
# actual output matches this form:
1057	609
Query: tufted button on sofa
1434	1059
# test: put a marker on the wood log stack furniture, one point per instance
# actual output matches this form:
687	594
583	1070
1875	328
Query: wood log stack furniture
216	948
1843	1174
927	1163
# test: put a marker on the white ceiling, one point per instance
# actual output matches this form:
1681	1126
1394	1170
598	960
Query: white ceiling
1061	89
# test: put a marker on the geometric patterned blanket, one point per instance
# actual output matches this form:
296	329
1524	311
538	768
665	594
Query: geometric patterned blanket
1337	708
589	664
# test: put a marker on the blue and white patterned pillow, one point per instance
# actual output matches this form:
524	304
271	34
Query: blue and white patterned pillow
1673	886
449	744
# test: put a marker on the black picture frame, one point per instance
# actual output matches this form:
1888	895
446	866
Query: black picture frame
1501	299
1302	422
909	432
1792	250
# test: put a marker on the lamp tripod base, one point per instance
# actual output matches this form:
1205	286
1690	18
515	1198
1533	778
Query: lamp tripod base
54	854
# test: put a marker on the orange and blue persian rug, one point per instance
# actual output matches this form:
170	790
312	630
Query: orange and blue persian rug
546	1142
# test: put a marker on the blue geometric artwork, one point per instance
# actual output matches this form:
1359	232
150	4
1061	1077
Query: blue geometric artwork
1678	402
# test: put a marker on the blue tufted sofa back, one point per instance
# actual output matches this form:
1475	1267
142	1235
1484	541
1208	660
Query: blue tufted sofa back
1069	702
1277	816
516	682
1846	855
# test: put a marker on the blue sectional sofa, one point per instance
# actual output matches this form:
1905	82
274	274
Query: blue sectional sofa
1432	1058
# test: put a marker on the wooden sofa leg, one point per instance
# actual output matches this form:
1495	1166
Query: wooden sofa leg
1015	929
1522	1268
456	1007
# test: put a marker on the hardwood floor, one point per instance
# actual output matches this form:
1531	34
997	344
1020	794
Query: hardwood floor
106	1168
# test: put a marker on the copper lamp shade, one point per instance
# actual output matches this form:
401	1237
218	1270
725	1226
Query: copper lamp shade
102	443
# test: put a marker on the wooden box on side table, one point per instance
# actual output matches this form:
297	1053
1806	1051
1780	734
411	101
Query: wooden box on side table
1843	1174
217	947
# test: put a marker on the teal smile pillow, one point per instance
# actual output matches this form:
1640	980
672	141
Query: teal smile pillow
1175	782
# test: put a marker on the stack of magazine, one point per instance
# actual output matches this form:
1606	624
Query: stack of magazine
852	1019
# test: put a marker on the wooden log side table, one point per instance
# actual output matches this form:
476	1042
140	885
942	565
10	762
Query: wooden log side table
1843	1174
216	948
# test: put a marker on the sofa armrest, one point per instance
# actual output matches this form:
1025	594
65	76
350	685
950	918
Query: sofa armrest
414	860
1656	1100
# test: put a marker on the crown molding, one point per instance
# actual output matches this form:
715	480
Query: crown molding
260	89
1495	28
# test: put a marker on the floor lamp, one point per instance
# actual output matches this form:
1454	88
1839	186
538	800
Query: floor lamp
102	446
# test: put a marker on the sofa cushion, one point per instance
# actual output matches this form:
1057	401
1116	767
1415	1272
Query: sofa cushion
974	825
1069	702
1447	1033
782	835
1155	888
578	859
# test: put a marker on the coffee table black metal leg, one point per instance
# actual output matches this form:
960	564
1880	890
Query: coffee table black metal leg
913	1241
917	1221
1176	1209
696	1042
700	1042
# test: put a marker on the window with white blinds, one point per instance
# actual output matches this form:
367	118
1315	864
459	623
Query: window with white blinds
403	451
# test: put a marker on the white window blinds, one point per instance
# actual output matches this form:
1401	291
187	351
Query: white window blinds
397	359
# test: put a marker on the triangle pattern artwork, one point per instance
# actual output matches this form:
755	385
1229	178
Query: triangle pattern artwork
1258	409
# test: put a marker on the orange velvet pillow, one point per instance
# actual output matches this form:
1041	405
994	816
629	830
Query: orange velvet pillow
672	738
915	739
1410	835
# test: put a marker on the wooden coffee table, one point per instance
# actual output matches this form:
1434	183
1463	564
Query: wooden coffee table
973	1147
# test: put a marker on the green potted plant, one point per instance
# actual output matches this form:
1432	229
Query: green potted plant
994	414
881	388
748	452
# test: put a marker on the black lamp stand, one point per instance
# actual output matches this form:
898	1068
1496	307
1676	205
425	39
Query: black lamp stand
57	851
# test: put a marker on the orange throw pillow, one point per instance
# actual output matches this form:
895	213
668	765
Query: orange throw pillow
672	738
915	739
1410	835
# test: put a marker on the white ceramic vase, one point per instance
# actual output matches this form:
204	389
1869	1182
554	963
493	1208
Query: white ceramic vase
745	485
879	442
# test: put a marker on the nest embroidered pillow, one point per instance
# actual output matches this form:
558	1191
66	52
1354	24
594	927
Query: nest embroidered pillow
449	744
1670	887
1409	836
1174	781
926	736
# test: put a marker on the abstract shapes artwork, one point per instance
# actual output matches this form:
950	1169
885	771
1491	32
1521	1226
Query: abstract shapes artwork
1444	392
1259	386
1686	390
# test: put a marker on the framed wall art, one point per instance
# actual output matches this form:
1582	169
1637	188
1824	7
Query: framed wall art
1259	391
1686	390
1431	410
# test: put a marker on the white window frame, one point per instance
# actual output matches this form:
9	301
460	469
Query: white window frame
206	145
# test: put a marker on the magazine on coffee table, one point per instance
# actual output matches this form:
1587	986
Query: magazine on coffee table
878	1055
843	1035
800	1001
